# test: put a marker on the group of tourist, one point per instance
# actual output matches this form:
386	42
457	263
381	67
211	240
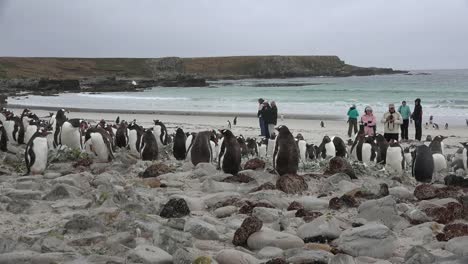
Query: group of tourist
393	120
267	116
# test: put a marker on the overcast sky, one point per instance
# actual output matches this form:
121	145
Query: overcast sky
404	34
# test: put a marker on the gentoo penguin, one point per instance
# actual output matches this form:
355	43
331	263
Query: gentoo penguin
440	167
229	159
117	120
234	122
322	124
465	155
302	145
3	138
149	146
178	148
435	126
135	132
57	121
189	143
340	147
426	126
428	138
201	151
286	155
215	146
312	151
98	144
299	136
18	130
363	149
466	120
262	146
423	164
121	135
271	146
229	124
408	157
160	133
37	152
437	145
71	133
9	125
382	145
327	148
3	114
243	146
395	159
252	148
446	126
33	127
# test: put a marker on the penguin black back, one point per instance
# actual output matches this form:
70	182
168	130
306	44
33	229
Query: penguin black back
423	164
178	148
230	153
340	147
243	145
163	136
60	118
252	147
107	139
201	151
149	146
139	131
382	146
3	138
121	135
436	144
286	154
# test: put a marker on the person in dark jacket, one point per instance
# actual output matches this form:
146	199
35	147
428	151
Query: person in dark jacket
267	115
417	117
274	118
260	118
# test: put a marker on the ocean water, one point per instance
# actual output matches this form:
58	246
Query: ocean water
444	94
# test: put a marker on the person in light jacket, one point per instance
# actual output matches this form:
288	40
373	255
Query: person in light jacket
369	122
353	115
392	121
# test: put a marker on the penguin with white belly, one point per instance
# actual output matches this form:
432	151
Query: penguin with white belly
149	146
178	148
121	135
252	148
437	145
381	147
36	153
286	154
408	157
423	164
18	130
135	132
98	144
312	151
327	148
271	146
262	146
33	127
200	150
363	149
302	145
229	159
395	158
465	155
215	145
243	146
189	143
9	125
57	121
71	133
160	133
440	167
3	138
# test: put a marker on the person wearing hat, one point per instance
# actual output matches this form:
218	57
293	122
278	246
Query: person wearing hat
369	122
392	121
260	118
353	115
405	113
267	116
417	118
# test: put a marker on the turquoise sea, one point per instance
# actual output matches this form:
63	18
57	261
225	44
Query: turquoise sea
444	95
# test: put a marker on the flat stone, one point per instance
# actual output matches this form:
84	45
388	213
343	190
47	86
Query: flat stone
266	215
323	226
24	194
80	223
201	230
73	203
458	246
225	211
271	238
382	210
270	253
57	193
231	256
300	256
86	239
419	255
342	259
149	255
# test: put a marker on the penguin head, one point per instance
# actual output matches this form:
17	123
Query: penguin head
282	129
326	139
43	132
226	133
180	131
299	136
251	142
465	144
439	138
428	138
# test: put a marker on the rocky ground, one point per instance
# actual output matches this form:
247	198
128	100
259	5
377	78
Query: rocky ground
84	212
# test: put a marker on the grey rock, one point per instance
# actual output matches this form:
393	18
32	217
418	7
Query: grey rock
80	223
59	192
18	206
53	244
201	230
176	223
342	259
175	208
271	238
270	253
186	255
299	256
86	238
419	255
6	244
382	210
225	211
231	256
147	254
76	203
458	246
266	215
324	226
25	194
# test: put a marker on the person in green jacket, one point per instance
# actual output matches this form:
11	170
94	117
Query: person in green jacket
405	113
353	115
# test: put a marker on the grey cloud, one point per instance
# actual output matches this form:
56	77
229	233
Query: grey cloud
405	34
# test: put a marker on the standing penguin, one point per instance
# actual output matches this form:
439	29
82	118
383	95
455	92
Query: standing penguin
234	122
243	146
3	138
363	149
160	133
465	155
423	164
286	154
408	157
262	148
33	127
327	148
229	159
178	148
382	146
395	158
98	144
252	147
71	133
215	145
440	167
437	145
37	152
149	146
57	121
135	132
229	124
322	124
302	145
121	135
340	147
271	146
312	151
201	151
446	126
189	143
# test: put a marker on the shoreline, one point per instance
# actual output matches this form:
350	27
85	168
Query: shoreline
181	113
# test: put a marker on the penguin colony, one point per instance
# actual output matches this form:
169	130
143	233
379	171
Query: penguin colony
426	162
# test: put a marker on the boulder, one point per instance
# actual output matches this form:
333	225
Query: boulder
248	227
299	256
239	178
270	252
254	164
201	230
225	211
156	169
340	165
175	208
327	227
453	230
401	193
80	223
59	192
231	256
372	239
419	255
295	206
430	191
382	210
292	184
442	210
458	246
266	215
265	186
271	238
342	259
149	255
